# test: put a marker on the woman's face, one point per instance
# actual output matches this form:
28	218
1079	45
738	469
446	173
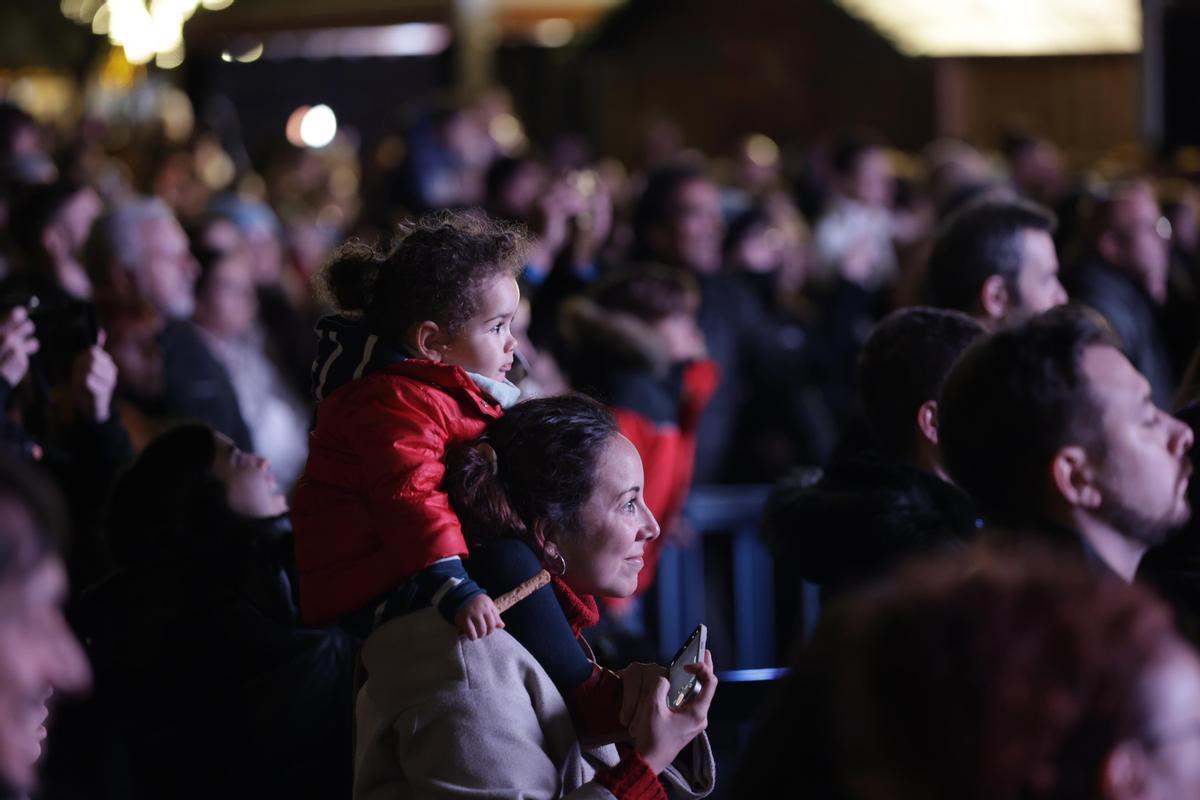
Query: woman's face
250	489
605	555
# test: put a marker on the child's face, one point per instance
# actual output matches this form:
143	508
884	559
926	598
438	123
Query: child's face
485	344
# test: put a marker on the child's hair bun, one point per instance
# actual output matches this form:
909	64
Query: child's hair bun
350	277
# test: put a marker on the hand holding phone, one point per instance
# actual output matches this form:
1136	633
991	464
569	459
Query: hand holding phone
685	685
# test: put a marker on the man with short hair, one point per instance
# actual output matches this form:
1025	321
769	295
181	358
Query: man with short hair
1124	277
138	257
996	261
1056	434
38	653
144	276
872	509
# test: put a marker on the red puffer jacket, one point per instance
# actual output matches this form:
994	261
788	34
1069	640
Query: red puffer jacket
370	510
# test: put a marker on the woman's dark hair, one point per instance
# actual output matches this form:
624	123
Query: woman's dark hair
979	674
650	292
435	269
170	501
547	452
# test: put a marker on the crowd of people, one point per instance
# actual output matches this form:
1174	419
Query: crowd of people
319	476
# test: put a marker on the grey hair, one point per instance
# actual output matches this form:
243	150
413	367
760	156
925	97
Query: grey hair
116	237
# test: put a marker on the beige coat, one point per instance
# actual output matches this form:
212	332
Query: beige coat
444	717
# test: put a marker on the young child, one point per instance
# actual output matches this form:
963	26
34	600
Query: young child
416	364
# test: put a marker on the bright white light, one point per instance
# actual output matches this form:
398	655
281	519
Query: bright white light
145	29
1004	27
411	39
170	59
318	127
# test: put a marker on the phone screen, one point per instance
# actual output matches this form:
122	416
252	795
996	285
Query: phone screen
684	684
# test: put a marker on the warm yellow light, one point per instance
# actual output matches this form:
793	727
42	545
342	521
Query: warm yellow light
144	29
554	32
506	132
1004	27
292	129
251	55
762	150
170	59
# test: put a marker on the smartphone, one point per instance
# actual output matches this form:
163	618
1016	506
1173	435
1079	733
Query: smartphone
685	685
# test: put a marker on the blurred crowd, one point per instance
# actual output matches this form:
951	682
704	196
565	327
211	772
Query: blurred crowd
770	315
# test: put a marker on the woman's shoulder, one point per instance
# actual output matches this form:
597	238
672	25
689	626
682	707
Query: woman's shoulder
417	658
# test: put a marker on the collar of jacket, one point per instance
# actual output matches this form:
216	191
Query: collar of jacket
581	611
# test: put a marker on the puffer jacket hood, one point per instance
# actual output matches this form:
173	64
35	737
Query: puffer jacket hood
346	351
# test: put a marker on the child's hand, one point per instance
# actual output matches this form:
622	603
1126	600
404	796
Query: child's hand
478	617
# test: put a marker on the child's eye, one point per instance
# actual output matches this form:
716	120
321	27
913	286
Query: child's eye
497	327
629	506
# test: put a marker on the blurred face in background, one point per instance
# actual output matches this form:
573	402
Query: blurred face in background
228	305
871	182
38	654
75	221
1167	756
1136	242
167	273
1038	287
692	237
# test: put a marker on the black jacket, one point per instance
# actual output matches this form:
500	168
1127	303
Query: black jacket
1134	318
206	684
197	387
863	517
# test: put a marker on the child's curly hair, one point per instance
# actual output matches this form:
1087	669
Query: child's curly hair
435	269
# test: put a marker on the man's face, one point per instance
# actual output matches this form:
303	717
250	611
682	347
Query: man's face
1143	475
692	237
1038	287
167	275
38	654
1139	246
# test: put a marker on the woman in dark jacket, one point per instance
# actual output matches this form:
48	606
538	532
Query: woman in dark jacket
206	683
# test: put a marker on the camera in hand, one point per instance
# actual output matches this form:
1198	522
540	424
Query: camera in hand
63	327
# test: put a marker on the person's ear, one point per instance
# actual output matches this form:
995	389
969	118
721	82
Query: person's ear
994	299
1124	774
927	420
428	340
1075	479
